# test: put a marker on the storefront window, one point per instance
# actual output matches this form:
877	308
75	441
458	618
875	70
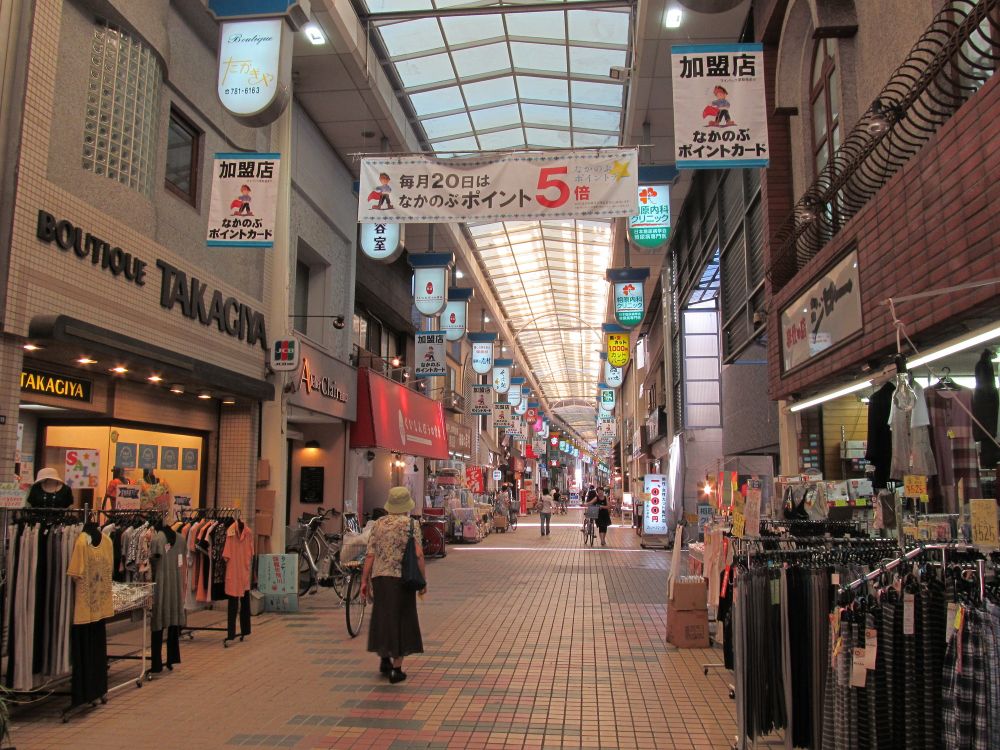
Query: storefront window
824	105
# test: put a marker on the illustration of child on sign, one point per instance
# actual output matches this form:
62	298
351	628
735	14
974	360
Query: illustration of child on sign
719	109
381	193
429	356
241	204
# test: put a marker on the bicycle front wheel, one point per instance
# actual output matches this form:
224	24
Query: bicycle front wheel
354	608
305	574
513	523
341	578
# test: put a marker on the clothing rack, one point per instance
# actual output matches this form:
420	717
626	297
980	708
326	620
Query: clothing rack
918	551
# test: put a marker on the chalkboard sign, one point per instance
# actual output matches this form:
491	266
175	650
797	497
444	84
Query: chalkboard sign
311	485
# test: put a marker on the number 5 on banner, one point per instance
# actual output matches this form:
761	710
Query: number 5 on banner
544	183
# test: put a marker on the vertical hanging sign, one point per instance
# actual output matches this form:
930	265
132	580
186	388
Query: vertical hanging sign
618	347
613	376
514	394
430	354
521	408
654	519
244	201
255	69
381	242
430	281
455	312
650	229
501	375
482	351
628	290
720	114
607	397
482	400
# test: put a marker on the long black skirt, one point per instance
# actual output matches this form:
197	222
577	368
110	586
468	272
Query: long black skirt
394	631
89	655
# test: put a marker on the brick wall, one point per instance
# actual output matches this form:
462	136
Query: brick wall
935	224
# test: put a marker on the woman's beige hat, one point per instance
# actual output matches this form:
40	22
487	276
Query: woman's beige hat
48	473
400	501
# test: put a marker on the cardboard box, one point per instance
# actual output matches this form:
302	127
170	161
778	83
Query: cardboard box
278	574
264	501
690	595
263	471
263	523
687	628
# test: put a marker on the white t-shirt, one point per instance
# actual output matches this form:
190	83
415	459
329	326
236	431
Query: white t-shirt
547	504
920	416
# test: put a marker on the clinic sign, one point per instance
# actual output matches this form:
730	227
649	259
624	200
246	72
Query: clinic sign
654	518
650	228
628	294
255	69
825	316
607	398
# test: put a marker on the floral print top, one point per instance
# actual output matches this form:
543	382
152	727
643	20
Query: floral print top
388	543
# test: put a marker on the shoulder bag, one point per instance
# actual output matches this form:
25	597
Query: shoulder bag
412	579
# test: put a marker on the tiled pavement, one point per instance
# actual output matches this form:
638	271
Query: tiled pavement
530	642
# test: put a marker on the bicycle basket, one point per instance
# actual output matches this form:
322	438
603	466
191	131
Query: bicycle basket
591	511
354	546
294	536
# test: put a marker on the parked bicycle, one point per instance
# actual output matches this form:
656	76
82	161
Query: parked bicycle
355	604
590	525
319	556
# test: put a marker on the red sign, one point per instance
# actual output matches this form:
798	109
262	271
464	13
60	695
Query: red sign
398	419
474	478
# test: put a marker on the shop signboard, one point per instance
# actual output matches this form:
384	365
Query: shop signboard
324	385
398	419
255	69
430	354
826	315
474	479
704	516
459	438
499	186
521	408
501	375
607	398
381	241
603	414
285	355
650	228
482	351
613	376
429	290
453	319
481	403
753	507
497	475
618	349
244	203
531	415
720	113
276	574
12	495
629	303
514	392
126	455
81	468
128	497
502	416
654	518
55	384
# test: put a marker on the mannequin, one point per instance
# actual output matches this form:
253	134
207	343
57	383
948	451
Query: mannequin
167	560
118	478
238	554
985	405
49	491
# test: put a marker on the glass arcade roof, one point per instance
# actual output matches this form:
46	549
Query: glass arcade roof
490	81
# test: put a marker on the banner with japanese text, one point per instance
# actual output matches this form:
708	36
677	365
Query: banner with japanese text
481	404
502	416
430	354
244	200
599	183
720	114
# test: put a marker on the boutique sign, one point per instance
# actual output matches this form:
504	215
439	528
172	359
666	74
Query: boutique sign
53	384
196	299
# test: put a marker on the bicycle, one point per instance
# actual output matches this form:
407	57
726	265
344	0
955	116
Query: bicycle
355	604
589	528
318	552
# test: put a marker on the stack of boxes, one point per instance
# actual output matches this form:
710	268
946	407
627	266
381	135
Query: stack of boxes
687	612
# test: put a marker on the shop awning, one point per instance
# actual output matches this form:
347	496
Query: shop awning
65	337
395	418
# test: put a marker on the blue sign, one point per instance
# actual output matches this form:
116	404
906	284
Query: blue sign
126	455
249	8
147	456
169	457
189	459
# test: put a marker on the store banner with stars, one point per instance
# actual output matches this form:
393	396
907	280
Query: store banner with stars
720	114
597	183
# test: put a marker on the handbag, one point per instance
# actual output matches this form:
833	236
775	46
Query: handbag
412	579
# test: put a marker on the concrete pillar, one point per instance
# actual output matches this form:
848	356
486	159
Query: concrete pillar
11	357
788	440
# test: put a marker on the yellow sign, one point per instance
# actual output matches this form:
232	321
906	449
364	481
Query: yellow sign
618	349
984	524
915	485
739	524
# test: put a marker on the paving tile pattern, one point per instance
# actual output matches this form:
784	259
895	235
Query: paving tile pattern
531	642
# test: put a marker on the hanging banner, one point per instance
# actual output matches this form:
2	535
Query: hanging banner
613	376
430	281
719	108
618	347
514	394
244	200
531	415
501	375
517	429
482	351
500	187
430	354
502	416
481	401
654	519
607	398
454	316
628	294
381	241
650	229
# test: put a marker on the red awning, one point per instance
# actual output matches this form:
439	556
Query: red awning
397	419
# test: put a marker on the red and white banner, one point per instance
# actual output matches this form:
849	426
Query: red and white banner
398	419
599	183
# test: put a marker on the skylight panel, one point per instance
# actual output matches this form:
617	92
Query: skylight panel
435	102
532	56
541	114
548	138
594	62
600	94
463	29
488	58
422	71
542	25
457	146
502	139
508	116
411	37
590	140
394	6
447	127
603	27
543	89
490	92
596	119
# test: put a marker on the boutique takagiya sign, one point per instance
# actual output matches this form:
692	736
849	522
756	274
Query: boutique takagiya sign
255	67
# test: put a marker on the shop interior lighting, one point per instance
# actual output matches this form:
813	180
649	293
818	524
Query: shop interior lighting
86	361
315	34
204	395
853	388
155	379
459	275
119	370
31	347
177	388
229	401
312	445
975	339
395	361
486	318
673	18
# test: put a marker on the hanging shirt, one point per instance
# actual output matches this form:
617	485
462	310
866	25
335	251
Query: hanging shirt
238	554
91	567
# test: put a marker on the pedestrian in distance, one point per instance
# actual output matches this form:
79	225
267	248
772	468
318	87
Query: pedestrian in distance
546	506
394	631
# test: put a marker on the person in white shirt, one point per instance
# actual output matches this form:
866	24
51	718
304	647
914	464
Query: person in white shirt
545	508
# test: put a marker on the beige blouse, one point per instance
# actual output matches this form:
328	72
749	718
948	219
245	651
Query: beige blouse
388	543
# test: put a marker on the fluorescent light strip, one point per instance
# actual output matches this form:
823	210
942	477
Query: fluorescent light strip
853	388
980	337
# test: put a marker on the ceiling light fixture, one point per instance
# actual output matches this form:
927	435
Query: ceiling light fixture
673	18
853	388
177	388
975	339
119	370
459	275
312	445
204	395
315	34
31	347
86	361
396	361
228	401
154	379
486	319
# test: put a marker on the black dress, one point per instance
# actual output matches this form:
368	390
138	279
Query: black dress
39	498
603	515
985	407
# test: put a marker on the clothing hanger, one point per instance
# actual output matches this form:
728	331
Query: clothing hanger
945	383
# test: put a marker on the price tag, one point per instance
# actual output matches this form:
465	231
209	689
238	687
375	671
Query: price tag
984	524
909	624
858	672
915	486
959	618
835	579
871	647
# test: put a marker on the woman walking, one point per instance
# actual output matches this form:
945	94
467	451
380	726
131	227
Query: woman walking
394	631
599	499
545	508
